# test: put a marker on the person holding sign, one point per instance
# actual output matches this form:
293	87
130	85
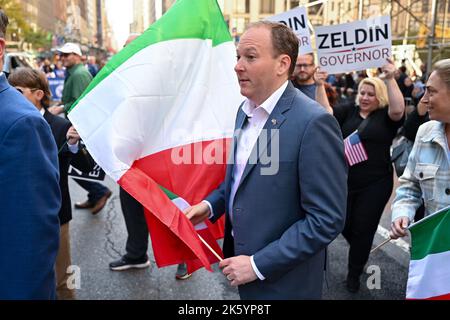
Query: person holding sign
428	170
368	129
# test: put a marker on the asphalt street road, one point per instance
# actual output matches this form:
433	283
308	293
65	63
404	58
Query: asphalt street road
100	239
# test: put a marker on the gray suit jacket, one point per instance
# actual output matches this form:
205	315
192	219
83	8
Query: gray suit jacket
286	220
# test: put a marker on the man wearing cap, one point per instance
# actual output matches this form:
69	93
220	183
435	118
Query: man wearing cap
77	80
78	77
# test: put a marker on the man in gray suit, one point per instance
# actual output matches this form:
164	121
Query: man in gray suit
281	213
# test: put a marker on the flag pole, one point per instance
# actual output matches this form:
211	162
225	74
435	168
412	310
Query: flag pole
380	245
209	247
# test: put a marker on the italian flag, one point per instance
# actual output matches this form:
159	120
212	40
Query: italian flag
429	269
159	118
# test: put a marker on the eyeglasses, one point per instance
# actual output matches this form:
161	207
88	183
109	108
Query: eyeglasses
65	54
304	66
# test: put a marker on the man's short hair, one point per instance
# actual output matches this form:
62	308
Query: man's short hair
284	41
311	54
3	24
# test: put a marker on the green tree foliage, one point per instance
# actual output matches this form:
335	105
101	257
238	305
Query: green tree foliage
39	39
13	10
20	28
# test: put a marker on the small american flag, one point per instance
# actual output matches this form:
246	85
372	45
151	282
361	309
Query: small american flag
354	149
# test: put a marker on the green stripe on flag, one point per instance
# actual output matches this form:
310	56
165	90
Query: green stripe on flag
431	235
168	193
186	19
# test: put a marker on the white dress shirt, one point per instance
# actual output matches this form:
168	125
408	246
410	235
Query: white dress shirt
257	118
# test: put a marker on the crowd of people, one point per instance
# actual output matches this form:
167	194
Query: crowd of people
53	67
319	191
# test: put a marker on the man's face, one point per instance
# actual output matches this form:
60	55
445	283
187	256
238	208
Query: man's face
70	59
257	69
304	68
436	98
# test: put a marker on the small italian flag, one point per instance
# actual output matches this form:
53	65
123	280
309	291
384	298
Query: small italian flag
429	269
158	119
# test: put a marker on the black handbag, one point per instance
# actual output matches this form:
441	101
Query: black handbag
400	153
83	161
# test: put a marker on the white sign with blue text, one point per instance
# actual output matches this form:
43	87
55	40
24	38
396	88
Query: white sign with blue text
354	46
297	20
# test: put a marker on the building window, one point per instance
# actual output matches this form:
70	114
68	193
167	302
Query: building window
314	9
295	4
243	6
349	7
239	24
267	6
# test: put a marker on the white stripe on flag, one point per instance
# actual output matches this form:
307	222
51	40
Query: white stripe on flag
429	277
154	102
183	205
348	152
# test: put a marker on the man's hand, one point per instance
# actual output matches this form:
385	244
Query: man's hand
56	110
72	136
320	77
398	227
238	270
197	213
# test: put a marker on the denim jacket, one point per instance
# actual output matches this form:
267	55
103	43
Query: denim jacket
427	174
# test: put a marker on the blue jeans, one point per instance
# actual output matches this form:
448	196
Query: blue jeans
95	190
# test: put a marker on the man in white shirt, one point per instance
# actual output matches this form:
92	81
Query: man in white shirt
282	213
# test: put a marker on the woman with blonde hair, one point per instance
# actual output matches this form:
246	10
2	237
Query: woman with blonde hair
368	127
427	174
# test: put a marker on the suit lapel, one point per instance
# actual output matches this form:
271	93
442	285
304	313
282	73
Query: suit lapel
274	122
3	83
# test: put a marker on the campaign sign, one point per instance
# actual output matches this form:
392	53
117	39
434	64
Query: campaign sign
96	174
297	20
56	87
354	46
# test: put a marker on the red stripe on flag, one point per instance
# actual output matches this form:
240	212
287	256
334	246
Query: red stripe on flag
442	297
192	182
174	238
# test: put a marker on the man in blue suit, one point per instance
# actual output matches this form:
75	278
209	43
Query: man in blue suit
280	214
30	198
